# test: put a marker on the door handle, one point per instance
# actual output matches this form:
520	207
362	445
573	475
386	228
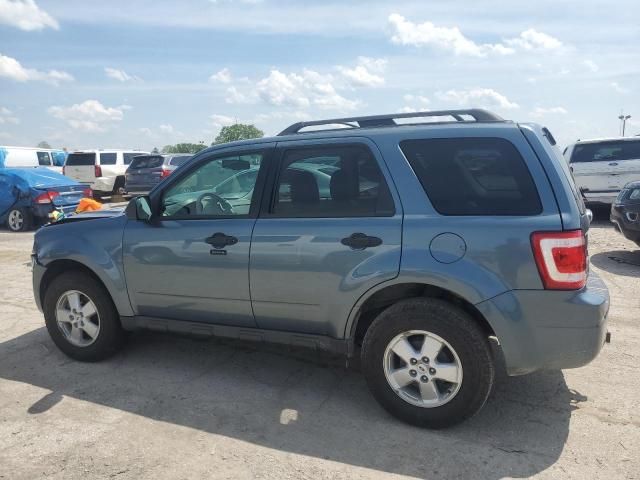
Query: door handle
220	240
360	241
613	164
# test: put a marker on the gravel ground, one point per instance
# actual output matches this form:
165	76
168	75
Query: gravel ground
169	407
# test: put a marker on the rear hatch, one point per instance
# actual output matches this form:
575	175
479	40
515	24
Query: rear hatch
145	172
81	166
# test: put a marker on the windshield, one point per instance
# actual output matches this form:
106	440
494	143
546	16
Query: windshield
81	159
146	162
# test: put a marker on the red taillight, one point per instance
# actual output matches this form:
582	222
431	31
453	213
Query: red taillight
165	173
87	193
46	197
97	171
561	258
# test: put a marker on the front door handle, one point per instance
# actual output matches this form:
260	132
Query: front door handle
220	240
360	241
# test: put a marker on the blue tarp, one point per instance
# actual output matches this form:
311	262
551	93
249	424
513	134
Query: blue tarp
59	157
3	155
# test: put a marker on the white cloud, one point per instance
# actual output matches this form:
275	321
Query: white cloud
367	73
415	103
223	76
477	97
619	88
452	39
591	65
541	112
11	68
219	121
235	96
121	75
6	117
88	116
25	15
167	128
533	40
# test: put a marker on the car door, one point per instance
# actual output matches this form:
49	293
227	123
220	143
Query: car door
192	262
329	230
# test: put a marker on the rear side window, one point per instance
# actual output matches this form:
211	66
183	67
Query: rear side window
75	159
473	176
44	158
146	162
177	161
108	158
129	156
613	151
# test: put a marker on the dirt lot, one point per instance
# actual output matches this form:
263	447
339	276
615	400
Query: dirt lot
172	407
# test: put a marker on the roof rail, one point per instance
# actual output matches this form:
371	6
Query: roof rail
478	114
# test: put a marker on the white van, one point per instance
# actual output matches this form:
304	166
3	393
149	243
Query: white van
602	167
103	169
25	157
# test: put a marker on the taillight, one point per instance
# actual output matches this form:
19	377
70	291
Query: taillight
561	258
97	171
46	197
165	173
87	193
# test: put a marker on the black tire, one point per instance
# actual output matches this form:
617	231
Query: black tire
111	336
454	326
19	220
117	185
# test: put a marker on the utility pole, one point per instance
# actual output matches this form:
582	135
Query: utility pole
623	119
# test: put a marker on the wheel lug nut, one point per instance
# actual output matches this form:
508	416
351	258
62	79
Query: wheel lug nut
413	361
425	359
432	371
413	373
424	378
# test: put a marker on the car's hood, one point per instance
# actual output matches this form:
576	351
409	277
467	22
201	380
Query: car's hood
105	213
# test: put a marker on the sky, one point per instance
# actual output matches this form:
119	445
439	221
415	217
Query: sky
147	73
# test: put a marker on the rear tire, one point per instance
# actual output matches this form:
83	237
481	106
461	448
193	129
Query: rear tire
436	392
19	220
82	335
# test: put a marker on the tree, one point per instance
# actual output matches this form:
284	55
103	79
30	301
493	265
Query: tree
184	148
43	144
155	150
239	131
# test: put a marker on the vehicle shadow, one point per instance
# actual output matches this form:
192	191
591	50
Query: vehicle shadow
619	262
283	400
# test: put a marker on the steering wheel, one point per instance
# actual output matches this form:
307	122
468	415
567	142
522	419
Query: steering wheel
212	199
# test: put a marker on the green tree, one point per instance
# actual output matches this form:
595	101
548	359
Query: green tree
43	144
239	131
155	150
184	148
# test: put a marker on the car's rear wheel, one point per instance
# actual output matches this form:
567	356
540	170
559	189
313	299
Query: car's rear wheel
19	220
428	363
81	318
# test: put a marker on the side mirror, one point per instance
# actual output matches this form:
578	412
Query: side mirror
139	208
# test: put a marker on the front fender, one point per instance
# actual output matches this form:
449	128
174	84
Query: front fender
96	244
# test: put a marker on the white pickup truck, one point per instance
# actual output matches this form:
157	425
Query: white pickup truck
602	167
103	169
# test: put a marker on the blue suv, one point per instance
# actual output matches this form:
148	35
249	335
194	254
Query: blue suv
434	250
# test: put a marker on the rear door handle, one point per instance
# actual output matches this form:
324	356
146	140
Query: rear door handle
221	240
613	164
360	241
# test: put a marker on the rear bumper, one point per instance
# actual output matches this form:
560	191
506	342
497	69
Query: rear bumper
606	198
545	329
103	184
43	211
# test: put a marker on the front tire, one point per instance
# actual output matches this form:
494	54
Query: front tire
81	318
428	363
19	220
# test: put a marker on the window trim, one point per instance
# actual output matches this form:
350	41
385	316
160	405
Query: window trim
272	183
256	198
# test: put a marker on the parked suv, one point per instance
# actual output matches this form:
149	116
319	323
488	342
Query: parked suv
146	171
104	170
601	168
430	242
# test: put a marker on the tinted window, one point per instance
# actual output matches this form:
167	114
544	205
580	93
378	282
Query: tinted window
332	181
220	187
81	159
128	156
177	161
146	162
108	158
44	158
606	151
473	176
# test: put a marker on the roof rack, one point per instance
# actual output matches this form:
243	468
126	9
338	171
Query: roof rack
478	114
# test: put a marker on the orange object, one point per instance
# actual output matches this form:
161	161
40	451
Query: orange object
88	205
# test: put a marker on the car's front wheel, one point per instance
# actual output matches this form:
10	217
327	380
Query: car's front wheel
81	318
428	363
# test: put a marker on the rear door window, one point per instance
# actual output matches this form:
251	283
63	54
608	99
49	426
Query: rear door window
473	176
140	162
613	151
76	159
108	158
44	158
